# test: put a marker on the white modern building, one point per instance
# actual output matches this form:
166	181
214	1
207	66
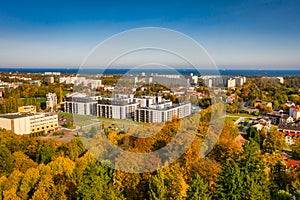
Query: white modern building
51	100
52	73
164	114
29	123
79	103
124	106
230	83
194	79
272	79
223	81
240	80
93	84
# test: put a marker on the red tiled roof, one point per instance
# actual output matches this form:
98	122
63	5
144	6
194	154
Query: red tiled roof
293	163
291	134
240	140
296	107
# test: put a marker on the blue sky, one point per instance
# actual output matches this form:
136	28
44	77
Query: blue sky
237	34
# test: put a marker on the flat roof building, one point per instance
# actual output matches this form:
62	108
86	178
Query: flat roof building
29	123
150	115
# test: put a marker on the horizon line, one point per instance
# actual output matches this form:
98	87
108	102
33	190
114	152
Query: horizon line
159	68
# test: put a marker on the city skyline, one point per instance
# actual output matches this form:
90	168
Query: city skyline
237	34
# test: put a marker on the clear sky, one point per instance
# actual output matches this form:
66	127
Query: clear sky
237	34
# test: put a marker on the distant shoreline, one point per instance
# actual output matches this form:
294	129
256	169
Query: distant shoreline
244	72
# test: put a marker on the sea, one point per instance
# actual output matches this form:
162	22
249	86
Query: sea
121	71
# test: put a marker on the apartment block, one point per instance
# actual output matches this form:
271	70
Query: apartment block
124	106
162	114
78	103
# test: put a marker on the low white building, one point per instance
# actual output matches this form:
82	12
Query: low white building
272	79
93	84
290	132
27	123
295	112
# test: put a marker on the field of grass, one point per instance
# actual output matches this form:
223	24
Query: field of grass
241	115
84	120
65	92
66	115
38	100
232	119
77	117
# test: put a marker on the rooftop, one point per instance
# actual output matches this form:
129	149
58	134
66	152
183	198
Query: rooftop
20	115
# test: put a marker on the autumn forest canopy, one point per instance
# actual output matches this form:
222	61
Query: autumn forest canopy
33	168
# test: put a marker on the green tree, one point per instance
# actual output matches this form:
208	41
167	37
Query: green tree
168	184
157	188
29	181
245	177
274	142
7	161
296	149
198	190
230	182
282	195
97	184
92	132
22	162
252	133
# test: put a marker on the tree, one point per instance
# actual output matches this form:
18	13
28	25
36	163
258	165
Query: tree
168	184
72	149
92	132
282	195
41	193
198	190
7	161
274	142
255	181
244	177
230	182
11	194
63	166
296	149
208	170
10	140
97	184
252	133
14	180
22	162
45	189
28	183
157	188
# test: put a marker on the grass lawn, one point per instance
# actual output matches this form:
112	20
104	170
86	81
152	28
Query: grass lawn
232	119
241	115
66	115
65	92
38	100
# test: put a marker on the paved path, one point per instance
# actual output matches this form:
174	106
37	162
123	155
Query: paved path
240	119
